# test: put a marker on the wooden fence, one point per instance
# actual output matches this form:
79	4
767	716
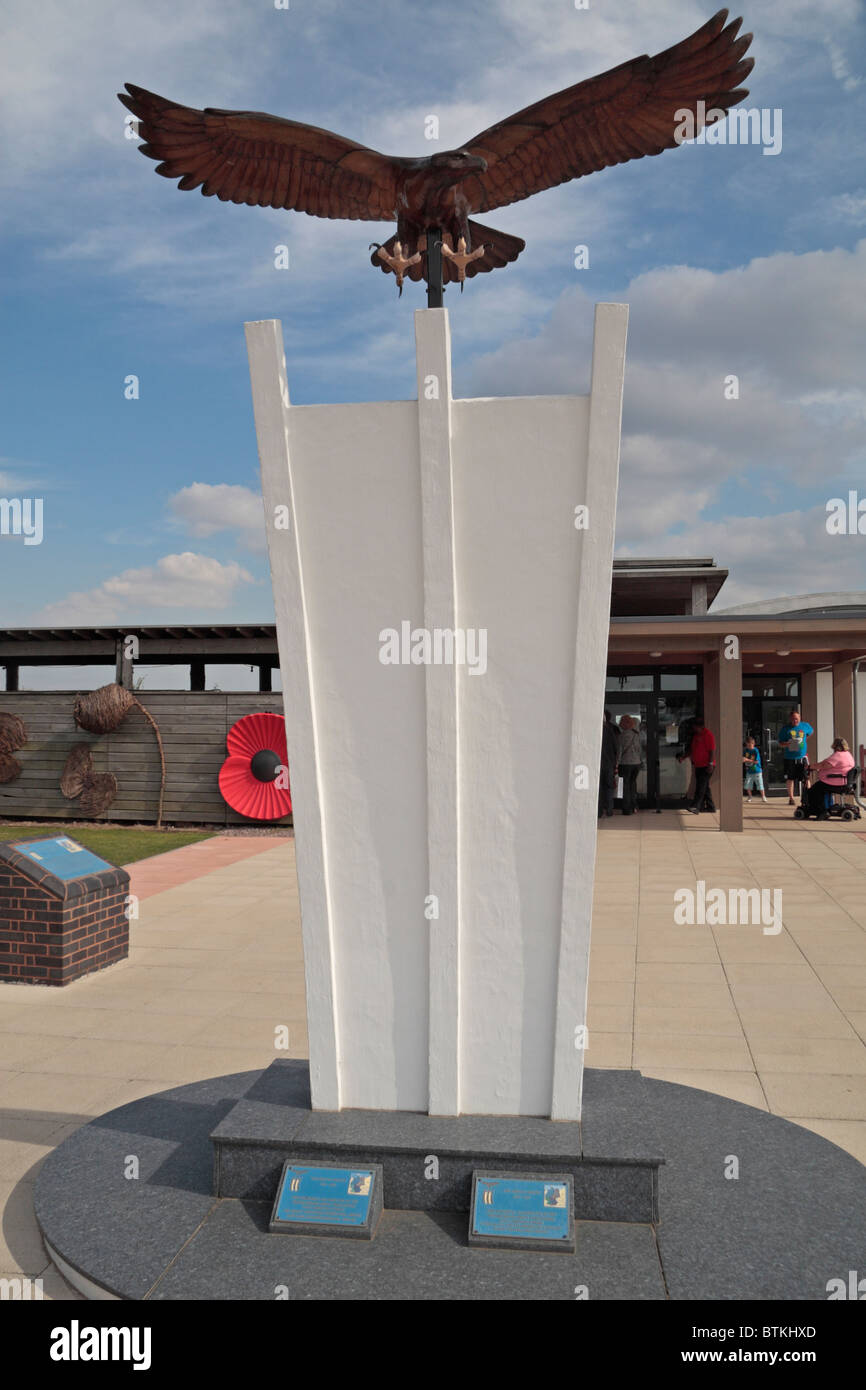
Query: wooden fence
193	725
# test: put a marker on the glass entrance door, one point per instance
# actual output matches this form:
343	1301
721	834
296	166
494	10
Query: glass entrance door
763	716
674	709
662	699
638	706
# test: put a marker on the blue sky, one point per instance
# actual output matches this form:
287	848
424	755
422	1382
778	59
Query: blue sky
733	262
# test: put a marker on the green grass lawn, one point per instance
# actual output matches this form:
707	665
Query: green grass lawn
117	844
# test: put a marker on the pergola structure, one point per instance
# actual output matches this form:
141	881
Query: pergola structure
807	643
250	644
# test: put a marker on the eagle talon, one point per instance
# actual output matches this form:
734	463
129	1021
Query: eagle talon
398	262
461	257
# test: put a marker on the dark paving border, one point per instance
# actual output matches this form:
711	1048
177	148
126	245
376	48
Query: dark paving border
794	1218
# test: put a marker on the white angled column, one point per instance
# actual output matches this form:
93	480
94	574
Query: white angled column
271	407
442	910
443	625
590	665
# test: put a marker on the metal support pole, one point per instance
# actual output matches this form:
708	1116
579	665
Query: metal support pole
434	269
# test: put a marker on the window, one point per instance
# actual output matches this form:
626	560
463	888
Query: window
678	680
629	683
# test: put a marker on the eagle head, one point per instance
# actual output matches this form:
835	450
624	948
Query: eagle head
458	163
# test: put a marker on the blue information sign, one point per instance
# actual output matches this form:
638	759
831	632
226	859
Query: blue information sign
508	1209
62	857
327	1200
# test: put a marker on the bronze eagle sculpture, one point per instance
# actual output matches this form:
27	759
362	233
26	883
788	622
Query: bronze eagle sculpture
265	161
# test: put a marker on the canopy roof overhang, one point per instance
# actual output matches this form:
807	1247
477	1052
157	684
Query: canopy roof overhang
672	582
781	643
767	643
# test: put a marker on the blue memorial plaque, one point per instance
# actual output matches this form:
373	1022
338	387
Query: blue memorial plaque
324	1199
64	858
521	1211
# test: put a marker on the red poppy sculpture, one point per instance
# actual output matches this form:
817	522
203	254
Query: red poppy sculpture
254	779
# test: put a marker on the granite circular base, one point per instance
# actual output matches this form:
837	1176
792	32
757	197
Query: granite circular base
751	1207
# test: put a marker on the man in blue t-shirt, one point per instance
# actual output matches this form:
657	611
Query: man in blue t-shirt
792	739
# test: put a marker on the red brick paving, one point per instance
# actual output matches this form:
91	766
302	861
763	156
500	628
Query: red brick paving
176	866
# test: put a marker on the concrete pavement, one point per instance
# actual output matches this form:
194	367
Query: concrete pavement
216	972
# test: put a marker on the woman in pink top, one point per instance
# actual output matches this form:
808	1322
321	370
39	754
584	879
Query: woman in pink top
832	774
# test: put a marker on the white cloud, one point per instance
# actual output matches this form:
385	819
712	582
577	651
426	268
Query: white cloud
190	582
64	65
840	67
18	478
849	207
791	323
205	509
602	36
785	554
789	328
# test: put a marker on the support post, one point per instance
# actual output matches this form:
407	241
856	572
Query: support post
730	740
123	664
699	596
435	288
265	681
196	675
11	675
712	715
809	710
843	702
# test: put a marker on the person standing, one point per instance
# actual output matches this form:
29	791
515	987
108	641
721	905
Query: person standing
607	770
753	778
792	738
832	775
702	752
629	762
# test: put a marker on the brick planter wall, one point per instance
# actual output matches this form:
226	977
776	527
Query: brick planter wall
51	931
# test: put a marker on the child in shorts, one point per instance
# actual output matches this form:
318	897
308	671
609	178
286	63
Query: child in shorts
753	779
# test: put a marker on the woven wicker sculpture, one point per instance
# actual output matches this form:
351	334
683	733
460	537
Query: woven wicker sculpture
13	735
104	710
10	768
96	789
99	793
77	772
101	712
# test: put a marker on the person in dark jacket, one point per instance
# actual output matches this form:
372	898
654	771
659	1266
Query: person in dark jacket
607	772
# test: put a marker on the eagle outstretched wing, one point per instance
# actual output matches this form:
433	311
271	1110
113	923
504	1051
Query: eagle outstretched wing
623	114
265	161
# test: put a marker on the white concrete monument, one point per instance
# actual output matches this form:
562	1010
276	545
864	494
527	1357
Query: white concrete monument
442	573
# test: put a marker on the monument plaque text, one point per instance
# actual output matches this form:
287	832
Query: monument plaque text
522	1211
